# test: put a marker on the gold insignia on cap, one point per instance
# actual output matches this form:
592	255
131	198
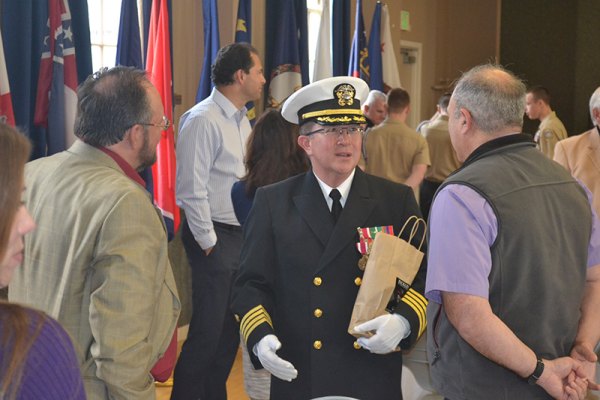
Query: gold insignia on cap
345	94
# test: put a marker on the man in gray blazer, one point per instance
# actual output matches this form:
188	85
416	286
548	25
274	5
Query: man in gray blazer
98	261
299	272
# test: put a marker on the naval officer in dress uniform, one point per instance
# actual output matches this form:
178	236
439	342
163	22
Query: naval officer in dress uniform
299	273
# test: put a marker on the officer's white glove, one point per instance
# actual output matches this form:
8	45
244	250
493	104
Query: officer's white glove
389	329
265	351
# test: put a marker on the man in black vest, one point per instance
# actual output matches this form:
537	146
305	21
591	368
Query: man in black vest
299	272
514	290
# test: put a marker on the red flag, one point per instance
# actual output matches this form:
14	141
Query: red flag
158	66
6	109
56	100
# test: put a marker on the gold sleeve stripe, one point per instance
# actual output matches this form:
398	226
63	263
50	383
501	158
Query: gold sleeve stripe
418	298
416	309
422	303
419	304
252	319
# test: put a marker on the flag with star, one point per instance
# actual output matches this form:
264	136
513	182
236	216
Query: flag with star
56	99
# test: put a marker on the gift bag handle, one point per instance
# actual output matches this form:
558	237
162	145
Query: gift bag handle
417	222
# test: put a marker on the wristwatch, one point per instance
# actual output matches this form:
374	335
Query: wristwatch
537	372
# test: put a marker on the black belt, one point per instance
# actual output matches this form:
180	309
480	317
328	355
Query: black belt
235	228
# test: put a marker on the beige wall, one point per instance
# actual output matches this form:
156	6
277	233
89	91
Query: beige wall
188	43
455	35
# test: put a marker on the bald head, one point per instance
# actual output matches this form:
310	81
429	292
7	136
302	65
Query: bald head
494	97
595	107
375	107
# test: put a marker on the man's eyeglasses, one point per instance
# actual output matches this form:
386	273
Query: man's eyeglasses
337	131
166	124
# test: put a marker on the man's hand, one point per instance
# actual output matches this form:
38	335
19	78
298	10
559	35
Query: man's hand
564	378
389	329
265	351
584	353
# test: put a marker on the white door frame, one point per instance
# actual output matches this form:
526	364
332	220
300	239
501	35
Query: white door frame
414	87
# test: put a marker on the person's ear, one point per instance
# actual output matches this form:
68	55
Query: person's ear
305	142
135	137
239	76
466	119
596	115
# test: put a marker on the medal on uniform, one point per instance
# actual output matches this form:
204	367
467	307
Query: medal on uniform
366	237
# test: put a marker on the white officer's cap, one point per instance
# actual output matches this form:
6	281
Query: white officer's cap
330	101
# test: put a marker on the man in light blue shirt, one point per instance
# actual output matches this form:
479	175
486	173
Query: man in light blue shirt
210	157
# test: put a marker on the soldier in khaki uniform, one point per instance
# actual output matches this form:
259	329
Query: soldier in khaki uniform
443	156
394	150
551	129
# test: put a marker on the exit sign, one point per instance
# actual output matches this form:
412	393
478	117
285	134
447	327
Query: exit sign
405	20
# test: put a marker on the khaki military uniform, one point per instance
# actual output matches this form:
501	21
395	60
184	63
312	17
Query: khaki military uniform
550	132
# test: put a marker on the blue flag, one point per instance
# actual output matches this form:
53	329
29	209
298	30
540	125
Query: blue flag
243	33
375	67
340	36
211	47
129	44
359	55
286	76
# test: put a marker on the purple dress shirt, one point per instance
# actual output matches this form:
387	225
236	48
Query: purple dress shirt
463	226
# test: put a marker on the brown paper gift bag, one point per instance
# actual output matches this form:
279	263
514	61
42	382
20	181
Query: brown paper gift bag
392	266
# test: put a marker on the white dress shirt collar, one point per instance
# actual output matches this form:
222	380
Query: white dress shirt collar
344	189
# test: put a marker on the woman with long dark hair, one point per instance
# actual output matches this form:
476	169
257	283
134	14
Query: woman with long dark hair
272	155
37	358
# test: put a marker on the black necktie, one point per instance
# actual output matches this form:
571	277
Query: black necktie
336	207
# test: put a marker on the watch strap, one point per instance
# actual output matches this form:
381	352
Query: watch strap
537	372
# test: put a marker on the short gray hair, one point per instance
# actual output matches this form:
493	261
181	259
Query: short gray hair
494	96
375	95
594	103
307	128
